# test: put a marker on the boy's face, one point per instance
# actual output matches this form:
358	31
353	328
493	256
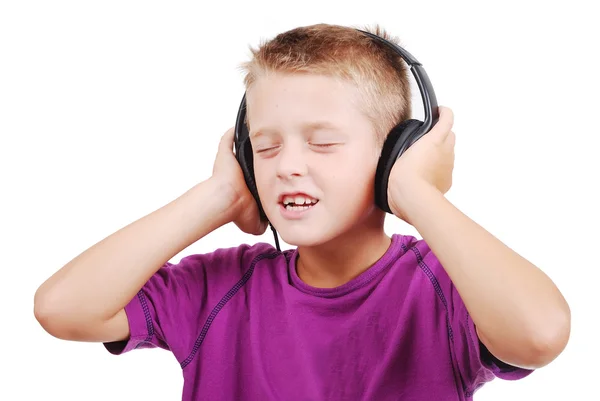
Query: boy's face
311	142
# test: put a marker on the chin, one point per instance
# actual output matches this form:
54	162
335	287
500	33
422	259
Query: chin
302	236
302	239
319	229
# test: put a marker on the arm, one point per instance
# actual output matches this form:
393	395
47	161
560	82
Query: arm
84	300
520	315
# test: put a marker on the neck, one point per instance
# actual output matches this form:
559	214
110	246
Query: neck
343	258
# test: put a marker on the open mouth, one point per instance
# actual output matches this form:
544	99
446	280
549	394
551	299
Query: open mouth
298	203
298	207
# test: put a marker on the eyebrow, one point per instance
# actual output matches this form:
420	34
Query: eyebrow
312	126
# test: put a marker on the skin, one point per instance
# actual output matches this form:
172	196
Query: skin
340	238
343	235
85	299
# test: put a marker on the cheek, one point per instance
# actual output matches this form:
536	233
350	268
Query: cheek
353	180
261	177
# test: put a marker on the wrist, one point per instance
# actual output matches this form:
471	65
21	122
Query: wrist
407	200
210	199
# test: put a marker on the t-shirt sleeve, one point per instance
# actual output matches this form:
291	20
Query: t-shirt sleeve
172	308
169	311
476	364
159	315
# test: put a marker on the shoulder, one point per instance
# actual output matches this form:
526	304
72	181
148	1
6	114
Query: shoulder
220	263
206	276
174	303
418	252
420	273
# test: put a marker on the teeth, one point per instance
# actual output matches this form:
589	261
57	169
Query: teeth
298	208
298	200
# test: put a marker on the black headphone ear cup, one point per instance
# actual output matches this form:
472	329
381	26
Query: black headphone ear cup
246	161
398	140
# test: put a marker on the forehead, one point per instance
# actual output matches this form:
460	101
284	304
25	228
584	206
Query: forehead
307	101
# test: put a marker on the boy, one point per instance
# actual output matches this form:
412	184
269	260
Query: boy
350	314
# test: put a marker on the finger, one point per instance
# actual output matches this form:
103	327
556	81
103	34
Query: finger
445	121
446	117
226	143
451	138
444	124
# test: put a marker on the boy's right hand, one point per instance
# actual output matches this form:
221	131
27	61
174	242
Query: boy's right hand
240	202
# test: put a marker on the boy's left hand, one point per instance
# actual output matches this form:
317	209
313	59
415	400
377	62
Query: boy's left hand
428	163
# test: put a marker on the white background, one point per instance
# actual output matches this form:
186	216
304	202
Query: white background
109	110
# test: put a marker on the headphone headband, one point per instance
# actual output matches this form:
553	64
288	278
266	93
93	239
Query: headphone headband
430	105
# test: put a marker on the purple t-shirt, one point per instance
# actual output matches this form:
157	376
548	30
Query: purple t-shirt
243	326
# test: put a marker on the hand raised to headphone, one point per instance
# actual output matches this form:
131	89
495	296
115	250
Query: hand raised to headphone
238	200
428	163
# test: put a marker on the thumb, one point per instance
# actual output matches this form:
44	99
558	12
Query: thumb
442	128
226	143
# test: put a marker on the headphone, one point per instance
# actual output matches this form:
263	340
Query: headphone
399	139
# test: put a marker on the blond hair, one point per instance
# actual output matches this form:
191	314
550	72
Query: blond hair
380	74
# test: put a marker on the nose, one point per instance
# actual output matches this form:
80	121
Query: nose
291	161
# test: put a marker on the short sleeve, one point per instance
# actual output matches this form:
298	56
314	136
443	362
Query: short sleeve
476	364
172	307
162	313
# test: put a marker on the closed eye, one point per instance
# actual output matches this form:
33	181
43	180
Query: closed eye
318	145
265	149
